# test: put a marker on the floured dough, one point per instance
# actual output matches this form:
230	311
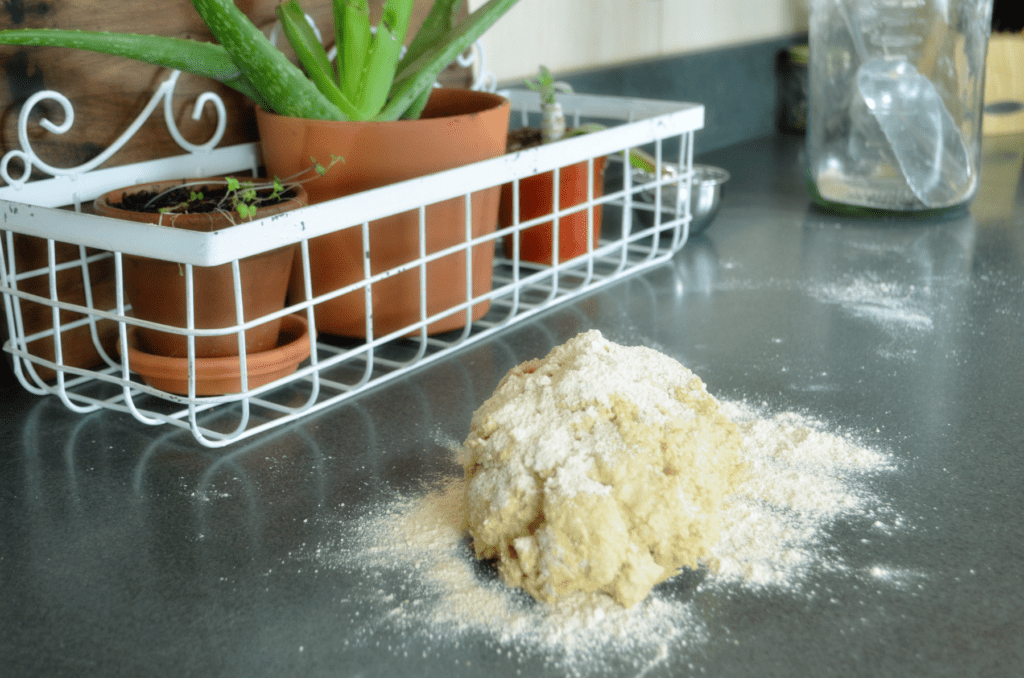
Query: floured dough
599	468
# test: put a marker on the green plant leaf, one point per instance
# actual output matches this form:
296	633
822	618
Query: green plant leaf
642	160
312	54
547	86
352	38
412	78
438	22
382	60
416	109
201	58
318	167
280	83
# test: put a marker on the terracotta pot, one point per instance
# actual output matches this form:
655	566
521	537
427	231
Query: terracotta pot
536	198
156	288
217	376
458	127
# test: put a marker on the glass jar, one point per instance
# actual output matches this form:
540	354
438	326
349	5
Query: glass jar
895	101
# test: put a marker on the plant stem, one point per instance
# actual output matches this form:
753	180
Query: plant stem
552	126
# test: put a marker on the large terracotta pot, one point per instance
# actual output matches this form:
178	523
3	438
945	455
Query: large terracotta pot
536	198
458	127
156	288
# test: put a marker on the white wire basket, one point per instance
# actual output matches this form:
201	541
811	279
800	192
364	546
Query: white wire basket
78	288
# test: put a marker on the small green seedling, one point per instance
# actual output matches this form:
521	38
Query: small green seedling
553	118
244	197
548	87
552	124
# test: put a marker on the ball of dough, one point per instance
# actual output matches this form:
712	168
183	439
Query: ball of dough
599	468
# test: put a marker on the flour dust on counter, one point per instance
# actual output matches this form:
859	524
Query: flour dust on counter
429	595
901	280
901	312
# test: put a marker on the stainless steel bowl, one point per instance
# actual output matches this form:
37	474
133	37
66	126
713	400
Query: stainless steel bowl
705	193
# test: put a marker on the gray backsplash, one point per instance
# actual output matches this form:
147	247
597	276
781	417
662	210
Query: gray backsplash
737	86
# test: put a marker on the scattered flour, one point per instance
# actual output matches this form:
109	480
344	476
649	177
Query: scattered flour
432	592
448	595
802	479
895	306
902	311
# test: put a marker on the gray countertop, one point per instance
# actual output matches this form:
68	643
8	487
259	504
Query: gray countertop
127	550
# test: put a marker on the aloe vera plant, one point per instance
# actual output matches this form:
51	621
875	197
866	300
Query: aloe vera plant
370	79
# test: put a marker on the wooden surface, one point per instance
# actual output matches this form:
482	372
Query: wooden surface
109	92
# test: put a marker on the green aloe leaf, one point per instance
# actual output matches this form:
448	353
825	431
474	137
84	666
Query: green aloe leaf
416	109
438	22
382	60
201	58
280	83
352	38
412	78
312	54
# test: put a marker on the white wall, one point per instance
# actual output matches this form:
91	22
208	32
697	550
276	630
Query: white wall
569	35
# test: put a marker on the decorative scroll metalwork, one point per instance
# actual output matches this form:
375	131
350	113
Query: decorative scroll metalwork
165	93
483	79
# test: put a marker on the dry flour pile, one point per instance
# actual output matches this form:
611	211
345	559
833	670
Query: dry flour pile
599	468
797	478
423	587
800	479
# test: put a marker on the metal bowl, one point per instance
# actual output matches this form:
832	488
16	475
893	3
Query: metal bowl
705	193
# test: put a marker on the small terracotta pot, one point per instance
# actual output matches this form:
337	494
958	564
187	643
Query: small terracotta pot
156	288
458	127
217	376
536	198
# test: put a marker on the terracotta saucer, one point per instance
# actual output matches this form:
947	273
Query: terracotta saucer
218	376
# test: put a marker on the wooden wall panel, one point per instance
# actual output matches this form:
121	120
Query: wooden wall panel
108	92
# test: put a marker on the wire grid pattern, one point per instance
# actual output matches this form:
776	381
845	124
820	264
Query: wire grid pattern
635	237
